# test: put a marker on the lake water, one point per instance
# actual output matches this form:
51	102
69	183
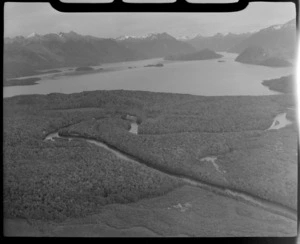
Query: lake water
205	77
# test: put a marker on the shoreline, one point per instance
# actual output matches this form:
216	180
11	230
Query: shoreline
58	70
21	82
95	82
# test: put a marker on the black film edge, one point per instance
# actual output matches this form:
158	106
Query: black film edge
178	6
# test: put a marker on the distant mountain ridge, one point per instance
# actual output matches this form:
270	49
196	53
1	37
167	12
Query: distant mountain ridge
24	55
218	42
150	36
274	46
155	44
277	40
259	56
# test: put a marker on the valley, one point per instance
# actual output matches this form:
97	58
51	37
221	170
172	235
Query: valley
62	181
122	129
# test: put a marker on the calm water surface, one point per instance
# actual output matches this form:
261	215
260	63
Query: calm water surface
206	77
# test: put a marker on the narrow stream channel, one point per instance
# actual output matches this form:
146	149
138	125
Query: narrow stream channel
242	196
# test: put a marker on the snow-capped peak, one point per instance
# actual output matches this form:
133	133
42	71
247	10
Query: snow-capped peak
277	27
183	38
33	34
121	38
127	37
150	36
289	24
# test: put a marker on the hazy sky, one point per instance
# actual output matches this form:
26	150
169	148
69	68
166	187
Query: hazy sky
25	18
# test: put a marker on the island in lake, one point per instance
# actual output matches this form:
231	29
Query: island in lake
154	65
86	68
203	54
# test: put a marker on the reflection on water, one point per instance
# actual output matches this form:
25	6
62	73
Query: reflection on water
205	77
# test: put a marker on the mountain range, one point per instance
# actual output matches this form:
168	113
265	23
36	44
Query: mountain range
260	56
277	40
22	56
25	55
218	42
156	45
